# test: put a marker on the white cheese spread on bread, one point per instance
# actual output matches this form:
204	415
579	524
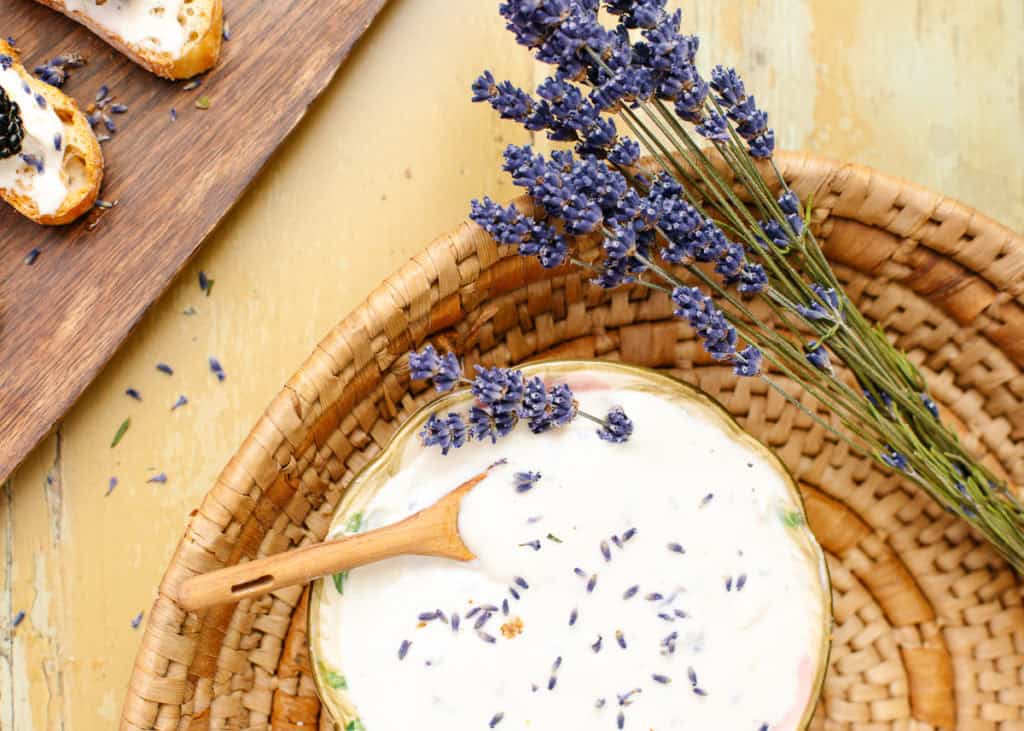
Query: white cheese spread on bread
152	25
37	172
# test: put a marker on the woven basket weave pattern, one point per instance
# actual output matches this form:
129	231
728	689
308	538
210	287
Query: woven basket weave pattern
929	621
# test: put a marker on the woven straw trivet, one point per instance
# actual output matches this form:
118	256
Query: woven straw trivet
929	621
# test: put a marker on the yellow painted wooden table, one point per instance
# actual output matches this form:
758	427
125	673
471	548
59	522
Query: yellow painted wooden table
926	89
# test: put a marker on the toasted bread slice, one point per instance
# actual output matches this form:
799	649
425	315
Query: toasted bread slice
57	176
175	39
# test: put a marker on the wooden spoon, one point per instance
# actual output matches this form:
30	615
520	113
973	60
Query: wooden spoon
433	531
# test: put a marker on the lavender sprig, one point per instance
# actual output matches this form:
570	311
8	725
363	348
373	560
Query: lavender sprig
686	230
504	398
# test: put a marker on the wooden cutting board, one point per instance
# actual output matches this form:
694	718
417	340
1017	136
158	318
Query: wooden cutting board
63	316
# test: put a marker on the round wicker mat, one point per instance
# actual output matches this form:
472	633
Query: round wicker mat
929	621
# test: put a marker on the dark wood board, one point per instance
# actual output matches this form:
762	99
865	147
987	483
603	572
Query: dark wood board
64	316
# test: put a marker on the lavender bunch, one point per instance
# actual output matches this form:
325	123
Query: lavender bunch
684	230
504	398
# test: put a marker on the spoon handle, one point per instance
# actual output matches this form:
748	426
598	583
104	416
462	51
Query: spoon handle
430	532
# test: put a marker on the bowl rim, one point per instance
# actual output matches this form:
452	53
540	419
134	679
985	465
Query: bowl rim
415	421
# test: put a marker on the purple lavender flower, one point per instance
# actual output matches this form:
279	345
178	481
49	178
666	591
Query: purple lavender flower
817	356
717	335
751	122
747	362
789	203
500	389
625	153
775	234
484	88
526	480
731	261
563	405
482	425
763	146
824	307
509	226
690	104
895	460
710	242
714	128
617	428
447	433
752	279
930	404
445	371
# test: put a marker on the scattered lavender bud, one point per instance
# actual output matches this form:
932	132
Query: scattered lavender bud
741	581
573	616
489	639
520	581
654	597
526	480
403	649
496	719
676	548
31	256
535	545
514	593
591	583
605	551
179	403
707	499
137	620
161	478
628	535
164	368
455	622
133	393
620	638
18	618
217	369
110	486
663	679
596	647
504	607
631	592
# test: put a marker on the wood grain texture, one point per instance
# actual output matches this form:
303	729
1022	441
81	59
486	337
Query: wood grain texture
64	316
433	531
382	184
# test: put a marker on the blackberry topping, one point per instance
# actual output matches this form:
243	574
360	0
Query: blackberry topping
11	130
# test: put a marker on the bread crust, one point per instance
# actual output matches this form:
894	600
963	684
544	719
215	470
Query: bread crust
197	56
80	145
